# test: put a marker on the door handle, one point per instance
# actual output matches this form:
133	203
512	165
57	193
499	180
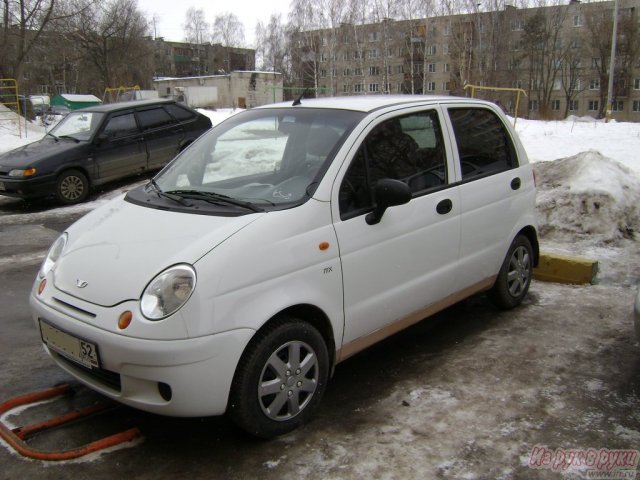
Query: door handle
516	183
444	207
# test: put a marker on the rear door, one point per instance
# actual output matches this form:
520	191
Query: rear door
491	189
121	150
162	134
393	270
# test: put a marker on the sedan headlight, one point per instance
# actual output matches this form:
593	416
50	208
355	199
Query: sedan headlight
53	255
29	172
166	293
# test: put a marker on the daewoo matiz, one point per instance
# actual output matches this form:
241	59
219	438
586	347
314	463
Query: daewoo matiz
280	243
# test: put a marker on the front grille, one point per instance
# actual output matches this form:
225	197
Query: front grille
105	377
73	307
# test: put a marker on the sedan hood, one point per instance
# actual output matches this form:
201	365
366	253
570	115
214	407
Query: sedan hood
29	155
116	250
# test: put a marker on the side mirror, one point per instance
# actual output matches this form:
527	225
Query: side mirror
102	138
388	193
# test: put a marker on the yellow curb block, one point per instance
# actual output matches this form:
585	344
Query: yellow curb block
565	269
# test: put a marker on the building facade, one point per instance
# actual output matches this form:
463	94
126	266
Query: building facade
558	56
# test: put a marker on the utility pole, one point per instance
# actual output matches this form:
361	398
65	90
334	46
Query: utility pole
612	61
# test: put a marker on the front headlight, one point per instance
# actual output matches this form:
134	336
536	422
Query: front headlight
29	172
166	293
53	255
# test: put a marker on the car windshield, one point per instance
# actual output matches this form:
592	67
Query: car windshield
269	157
78	125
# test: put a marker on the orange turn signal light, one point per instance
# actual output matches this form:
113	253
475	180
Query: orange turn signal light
29	172
43	284
125	320
324	246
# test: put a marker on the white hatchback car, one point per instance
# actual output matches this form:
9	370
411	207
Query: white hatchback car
283	241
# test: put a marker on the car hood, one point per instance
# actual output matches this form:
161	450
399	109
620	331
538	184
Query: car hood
116	250
30	154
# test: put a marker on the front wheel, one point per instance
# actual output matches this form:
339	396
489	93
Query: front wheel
280	379
515	275
72	187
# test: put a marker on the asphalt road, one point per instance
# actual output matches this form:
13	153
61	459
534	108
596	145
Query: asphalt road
466	394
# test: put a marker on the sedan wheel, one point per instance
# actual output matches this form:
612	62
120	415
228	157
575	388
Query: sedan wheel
72	187
280	379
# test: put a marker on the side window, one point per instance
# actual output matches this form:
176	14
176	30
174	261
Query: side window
121	126
408	148
484	145
154	118
179	113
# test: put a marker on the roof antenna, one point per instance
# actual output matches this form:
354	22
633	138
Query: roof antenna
298	101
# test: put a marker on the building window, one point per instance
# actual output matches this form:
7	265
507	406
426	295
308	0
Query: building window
357	72
445	49
577	20
323	57
374	70
446	68
346	72
636	105
431	86
533	105
345	88
357	88
573	105
595	62
594	84
431	50
374	87
323	73
446	30
594	105
417	68
517	25
517	84
636	83
555	105
373	36
432	68
373	53
617	106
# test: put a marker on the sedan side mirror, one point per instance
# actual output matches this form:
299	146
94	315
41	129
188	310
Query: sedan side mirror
102	138
388	193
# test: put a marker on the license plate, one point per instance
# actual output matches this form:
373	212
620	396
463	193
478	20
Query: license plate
2	186
74	348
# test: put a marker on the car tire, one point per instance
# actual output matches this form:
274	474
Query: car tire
515	274
72	187
280	379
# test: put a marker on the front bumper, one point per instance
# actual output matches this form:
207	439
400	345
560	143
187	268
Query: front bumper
35	187
183	378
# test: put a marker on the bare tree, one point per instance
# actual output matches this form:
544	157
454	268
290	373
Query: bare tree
111	36
271	43
306	41
229	32
196	28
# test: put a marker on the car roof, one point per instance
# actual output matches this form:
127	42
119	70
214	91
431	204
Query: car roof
112	107
368	103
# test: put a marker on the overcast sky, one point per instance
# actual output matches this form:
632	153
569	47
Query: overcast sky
171	14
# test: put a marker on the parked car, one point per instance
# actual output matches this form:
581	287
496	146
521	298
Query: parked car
285	240
95	145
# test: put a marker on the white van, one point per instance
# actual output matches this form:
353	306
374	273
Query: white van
280	243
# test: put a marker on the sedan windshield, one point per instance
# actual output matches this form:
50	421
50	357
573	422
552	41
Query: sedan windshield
269	157
78	125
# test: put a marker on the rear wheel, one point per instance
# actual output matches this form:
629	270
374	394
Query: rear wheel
280	379
515	275
72	186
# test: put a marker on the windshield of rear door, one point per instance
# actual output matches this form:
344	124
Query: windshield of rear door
78	125
268	157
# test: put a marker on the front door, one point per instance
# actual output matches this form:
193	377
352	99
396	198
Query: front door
121	150
395	269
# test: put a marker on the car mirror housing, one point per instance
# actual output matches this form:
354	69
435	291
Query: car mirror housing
388	193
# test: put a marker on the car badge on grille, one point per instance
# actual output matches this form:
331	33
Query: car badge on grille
81	283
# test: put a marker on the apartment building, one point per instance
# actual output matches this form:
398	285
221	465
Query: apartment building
558	56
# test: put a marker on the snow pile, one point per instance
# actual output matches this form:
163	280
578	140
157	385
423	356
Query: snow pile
587	195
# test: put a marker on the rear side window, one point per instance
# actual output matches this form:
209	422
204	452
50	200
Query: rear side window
484	144
154	118
121	126
179	113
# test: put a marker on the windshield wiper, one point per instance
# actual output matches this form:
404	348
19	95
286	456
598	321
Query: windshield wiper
49	133
71	137
213	197
175	198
